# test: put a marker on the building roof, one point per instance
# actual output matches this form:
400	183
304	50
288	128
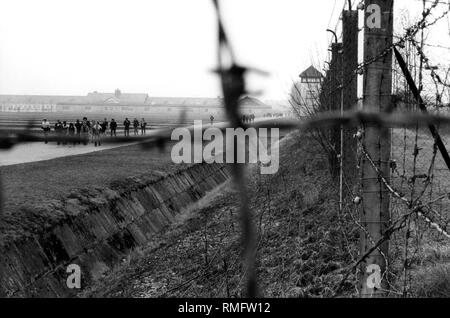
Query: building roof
112	98
311	72
251	101
184	101
125	99
38	99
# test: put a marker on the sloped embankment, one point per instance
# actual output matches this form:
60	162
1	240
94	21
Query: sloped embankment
95	229
304	247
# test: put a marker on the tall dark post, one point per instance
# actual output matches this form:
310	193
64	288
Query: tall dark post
350	91
336	80
378	33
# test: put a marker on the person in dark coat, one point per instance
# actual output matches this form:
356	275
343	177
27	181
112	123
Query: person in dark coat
143	127
78	129
136	126
58	130
65	131
104	125
85	131
127	125
113	127
71	131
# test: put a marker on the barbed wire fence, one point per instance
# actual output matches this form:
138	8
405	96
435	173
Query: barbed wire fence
419	160
419	188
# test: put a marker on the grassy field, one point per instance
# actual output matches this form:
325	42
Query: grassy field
33	192
33	186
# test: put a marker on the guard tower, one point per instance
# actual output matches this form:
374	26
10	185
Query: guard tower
311	76
309	86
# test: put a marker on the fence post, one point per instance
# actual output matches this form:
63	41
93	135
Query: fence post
336	81
350	90
378	33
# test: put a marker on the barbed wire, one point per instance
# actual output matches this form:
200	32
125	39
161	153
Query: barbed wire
414	202
234	87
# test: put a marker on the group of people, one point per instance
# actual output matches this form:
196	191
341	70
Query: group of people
274	115
248	119
91	130
136	125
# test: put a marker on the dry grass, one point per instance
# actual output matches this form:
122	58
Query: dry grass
403	142
301	249
41	182
33	193
428	251
432	282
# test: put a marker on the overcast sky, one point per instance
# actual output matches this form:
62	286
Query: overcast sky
160	47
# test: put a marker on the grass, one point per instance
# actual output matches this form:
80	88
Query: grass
403	142
428	251
433	282
301	249
53	179
32	192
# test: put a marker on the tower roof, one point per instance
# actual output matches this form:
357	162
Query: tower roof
311	72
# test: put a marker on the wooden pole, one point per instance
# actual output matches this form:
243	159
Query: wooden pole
350	92
375	216
336	102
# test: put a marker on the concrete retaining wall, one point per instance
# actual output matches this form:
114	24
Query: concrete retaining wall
99	229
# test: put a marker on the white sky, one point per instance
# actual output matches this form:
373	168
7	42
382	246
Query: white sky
160	47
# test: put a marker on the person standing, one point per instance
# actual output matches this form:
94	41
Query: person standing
65	131
78	129
58	131
46	128
143	127
104	125
113	127
127	124
87	123
136	126
85	132
92	130
71	132
212	119
96	133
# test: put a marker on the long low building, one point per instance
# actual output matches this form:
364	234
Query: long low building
127	104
